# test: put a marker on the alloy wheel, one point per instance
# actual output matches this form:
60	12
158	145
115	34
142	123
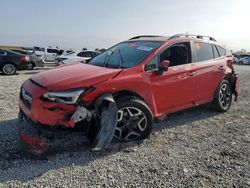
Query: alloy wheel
225	96
131	124
9	69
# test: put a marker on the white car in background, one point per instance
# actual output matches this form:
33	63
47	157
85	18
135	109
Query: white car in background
47	54
80	55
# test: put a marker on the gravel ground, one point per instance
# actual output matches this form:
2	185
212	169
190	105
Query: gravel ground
193	148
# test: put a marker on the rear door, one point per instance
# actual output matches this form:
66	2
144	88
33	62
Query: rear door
210	68
175	88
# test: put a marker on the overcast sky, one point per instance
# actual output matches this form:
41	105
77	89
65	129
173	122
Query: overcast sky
93	23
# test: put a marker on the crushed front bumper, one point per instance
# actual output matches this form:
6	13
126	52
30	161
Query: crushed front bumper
33	137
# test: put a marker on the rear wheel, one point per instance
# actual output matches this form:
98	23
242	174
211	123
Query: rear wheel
33	65
134	120
9	69
223	98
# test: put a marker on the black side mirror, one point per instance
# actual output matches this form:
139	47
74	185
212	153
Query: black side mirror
163	66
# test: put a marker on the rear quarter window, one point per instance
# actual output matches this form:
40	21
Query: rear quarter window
204	51
221	50
216	53
55	51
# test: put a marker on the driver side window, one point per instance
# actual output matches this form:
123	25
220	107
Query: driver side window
177	54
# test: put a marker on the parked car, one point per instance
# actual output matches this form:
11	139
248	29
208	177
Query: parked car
47	54
34	59
76	56
235	60
244	60
11	61
121	91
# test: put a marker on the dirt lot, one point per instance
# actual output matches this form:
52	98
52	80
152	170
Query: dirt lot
193	148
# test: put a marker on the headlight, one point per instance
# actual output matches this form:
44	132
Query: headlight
66	97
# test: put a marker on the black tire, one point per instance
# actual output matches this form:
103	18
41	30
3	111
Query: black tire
33	65
9	69
133	104
223	97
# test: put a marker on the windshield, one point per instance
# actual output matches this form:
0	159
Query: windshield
125	54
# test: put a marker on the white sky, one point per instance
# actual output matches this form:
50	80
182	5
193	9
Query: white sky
78	23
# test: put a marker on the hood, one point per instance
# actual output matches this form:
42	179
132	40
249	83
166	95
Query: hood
73	76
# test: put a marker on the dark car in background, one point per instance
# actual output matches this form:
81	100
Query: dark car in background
244	60
11	61
34	59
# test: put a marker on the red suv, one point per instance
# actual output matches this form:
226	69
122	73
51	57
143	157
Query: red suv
121	91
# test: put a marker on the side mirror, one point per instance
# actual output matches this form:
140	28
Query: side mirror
163	66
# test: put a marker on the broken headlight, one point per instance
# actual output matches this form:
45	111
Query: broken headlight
66	97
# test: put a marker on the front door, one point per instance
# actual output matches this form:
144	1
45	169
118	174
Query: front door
175	88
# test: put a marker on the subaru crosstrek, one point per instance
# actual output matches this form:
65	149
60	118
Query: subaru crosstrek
121	91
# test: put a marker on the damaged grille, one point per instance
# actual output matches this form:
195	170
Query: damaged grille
26	97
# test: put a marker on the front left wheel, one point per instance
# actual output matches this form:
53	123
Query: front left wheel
134	120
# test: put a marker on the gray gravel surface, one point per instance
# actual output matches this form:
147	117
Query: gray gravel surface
193	148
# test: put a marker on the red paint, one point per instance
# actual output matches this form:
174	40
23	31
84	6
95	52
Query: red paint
178	88
34	143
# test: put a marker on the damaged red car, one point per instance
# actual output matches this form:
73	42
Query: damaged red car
121	91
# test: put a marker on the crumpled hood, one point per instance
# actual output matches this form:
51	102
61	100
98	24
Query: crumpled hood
73	76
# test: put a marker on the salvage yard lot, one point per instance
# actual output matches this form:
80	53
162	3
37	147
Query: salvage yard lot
197	148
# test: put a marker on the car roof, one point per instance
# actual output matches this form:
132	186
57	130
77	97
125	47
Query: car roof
10	51
150	38
176	38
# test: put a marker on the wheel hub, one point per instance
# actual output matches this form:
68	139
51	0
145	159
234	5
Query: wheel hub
131	124
224	96
8	69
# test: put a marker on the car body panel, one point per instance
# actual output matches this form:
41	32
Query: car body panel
208	75
76	75
174	89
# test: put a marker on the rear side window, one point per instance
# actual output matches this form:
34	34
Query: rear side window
204	51
84	54
222	51
94	54
2	52
52	51
216	53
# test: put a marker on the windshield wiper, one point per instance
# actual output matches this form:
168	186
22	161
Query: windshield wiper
121	59
109	54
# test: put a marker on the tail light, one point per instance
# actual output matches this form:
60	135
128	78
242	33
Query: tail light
25	58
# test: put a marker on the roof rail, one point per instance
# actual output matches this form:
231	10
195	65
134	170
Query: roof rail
141	36
193	36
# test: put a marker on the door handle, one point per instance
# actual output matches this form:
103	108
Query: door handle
191	73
